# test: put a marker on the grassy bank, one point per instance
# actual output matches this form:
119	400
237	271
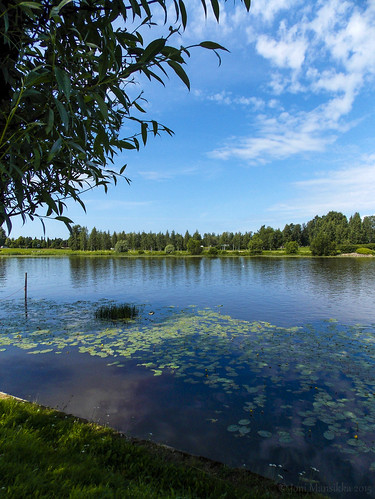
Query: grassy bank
37	252
45	453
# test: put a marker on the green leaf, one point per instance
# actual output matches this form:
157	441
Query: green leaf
215	8
146	7
247	4
66	220
102	105
51	119
140	109
144	132
63	81
30	5
54	149
122	97
204	7
212	46
153	49
63	114
183	13
62	4
124	144
135	8
180	72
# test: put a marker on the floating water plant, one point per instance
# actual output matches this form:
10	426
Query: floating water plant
288	387
117	312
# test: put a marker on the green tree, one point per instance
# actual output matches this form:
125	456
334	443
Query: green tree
2	236
83	239
121	246
255	245
194	247
93	241
322	245
74	239
291	247
277	239
266	235
169	249
355	229
187	238
64	93
368	227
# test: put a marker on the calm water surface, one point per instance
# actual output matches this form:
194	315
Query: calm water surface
272	368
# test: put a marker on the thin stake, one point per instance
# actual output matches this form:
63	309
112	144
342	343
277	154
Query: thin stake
25	289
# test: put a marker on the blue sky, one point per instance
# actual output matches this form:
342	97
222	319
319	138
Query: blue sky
282	131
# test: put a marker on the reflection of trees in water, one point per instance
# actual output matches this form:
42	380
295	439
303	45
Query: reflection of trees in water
88	271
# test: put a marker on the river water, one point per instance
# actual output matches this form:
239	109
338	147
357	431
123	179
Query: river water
261	363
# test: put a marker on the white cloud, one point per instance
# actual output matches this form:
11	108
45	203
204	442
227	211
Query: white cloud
348	190
268	9
227	98
160	176
325	53
283	135
286	52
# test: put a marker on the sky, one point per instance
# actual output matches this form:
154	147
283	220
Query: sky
281	131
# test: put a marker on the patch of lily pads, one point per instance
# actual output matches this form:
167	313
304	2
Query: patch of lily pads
311	380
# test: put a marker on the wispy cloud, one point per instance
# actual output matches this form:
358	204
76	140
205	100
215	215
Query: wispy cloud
159	176
281	136
326	52
229	99
267	11
348	189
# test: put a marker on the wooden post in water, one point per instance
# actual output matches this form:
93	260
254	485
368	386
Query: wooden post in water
25	289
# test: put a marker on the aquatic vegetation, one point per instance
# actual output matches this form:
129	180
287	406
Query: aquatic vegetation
313	384
117	312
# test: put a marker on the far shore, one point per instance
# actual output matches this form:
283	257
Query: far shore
304	252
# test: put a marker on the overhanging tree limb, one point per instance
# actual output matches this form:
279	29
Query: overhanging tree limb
64	99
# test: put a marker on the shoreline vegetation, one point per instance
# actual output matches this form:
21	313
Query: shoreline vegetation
50	453
327	235
303	252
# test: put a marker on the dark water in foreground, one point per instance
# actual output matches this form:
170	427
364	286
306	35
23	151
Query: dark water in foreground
266	364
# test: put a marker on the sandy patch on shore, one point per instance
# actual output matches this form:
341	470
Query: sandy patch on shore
356	255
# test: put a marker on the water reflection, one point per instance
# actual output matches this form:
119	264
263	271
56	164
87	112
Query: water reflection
285	292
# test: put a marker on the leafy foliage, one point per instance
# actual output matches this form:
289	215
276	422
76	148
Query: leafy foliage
169	249
291	247
121	246
194	246
255	245
65	93
364	251
213	251
322	245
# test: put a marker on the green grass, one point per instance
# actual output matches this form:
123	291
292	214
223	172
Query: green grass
117	312
303	252
45	453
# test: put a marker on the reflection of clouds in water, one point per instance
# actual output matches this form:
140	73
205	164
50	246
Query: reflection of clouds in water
205	361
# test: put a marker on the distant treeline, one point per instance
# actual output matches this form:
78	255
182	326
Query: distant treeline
334	226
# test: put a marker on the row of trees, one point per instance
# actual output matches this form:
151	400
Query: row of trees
335	229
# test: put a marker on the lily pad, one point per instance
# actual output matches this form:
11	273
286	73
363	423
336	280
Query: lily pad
233	427
329	435
244	422
264	433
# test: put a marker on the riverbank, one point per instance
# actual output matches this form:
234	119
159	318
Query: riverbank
304	252
45	452
38	252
